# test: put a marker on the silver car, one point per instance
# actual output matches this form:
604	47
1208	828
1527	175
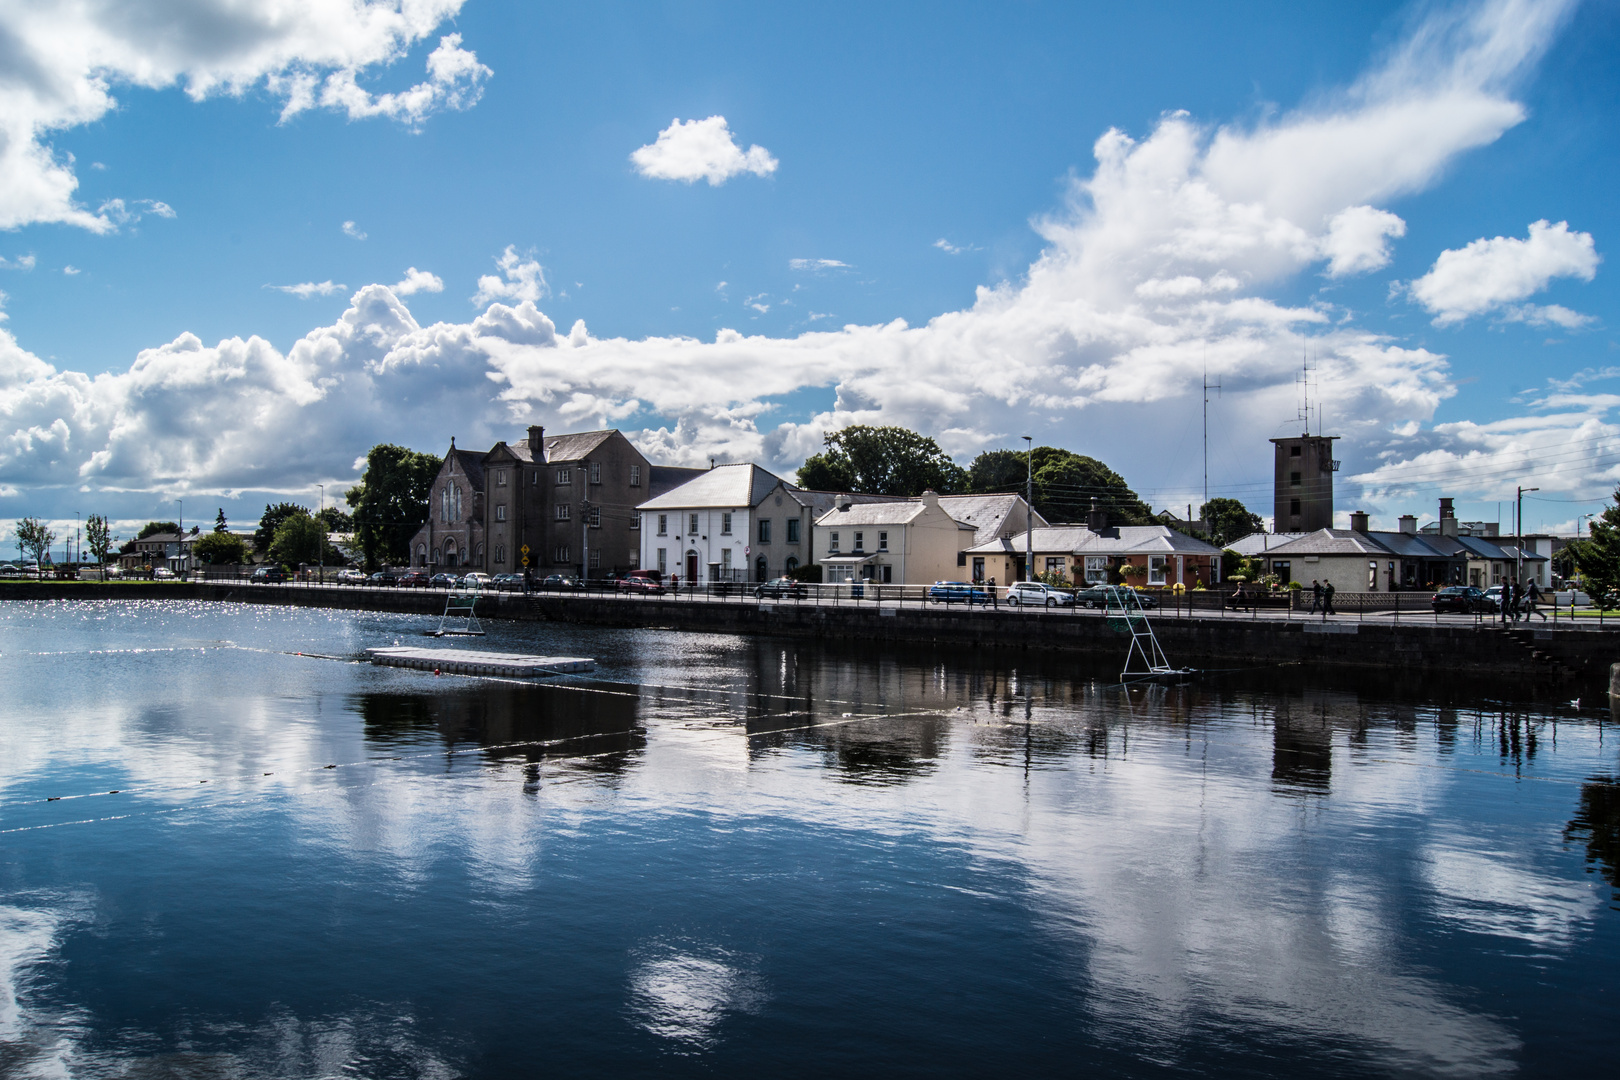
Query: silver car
1038	594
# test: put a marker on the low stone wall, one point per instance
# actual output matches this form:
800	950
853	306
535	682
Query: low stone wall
1537	656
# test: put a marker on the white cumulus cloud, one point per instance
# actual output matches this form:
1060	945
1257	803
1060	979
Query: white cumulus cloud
352	230
1358	238
693	150
1491	274
418	281
521	279
64	62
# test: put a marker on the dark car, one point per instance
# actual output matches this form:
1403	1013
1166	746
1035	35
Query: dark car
507	582
561	581
958	592
384	578
442	581
1096	596
414	579
1463	598
776	588
269	575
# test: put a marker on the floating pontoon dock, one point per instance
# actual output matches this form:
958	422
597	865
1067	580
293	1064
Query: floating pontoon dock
468	662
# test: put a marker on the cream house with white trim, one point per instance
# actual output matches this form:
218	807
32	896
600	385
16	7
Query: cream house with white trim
915	542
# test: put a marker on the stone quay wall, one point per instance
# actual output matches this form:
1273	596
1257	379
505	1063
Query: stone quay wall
1547	657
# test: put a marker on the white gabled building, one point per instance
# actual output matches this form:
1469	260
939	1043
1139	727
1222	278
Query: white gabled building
733	523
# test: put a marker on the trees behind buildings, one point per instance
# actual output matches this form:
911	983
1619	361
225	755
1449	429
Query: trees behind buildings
219	549
391	502
1229	520
300	540
1065	484
882	461
1597	557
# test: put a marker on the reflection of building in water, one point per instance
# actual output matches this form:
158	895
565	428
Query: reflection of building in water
1597	818
533	721
1301	748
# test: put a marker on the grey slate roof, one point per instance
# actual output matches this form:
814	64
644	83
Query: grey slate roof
1332	542
988	514
666	478
565	448
877	513
723	486
471	463
1257	543
1120	540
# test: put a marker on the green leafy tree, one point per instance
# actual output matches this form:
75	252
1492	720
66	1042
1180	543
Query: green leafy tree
391	502
998	470
336	520
152	528
220	549
34	539
1598	556
1065	484
299	540
219	521
882	461
98	537
1229	520
271	521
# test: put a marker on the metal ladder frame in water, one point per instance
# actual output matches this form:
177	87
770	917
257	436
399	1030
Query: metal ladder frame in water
463	605
1124	612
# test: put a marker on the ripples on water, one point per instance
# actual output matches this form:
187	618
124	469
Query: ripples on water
724	854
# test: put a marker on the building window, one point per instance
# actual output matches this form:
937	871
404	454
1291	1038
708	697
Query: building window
635	522
596	518
762	569
534	477
832	543
1372	576
500	477
421	554
1054	564
692	522
860	542
663	524
765	530
500	511
1293	479
596	559
978	568
793	530
633	560
635	476
563	510
565	476
1293	507
560	554
1293	451
500	554
1156	569
480	554
1096	569
725	524
663	560
883	541
1284	570
791	565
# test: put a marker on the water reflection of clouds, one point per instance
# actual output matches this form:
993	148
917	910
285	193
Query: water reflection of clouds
683	992
1486	893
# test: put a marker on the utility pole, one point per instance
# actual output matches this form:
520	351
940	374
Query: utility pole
1518	537
1029	509
320	537
1208	386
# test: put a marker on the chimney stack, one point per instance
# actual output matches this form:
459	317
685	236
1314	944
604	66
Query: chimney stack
1358	521
1409	524
1097	520
1448	518
537	444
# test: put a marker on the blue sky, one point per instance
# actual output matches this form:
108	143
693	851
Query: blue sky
1292	182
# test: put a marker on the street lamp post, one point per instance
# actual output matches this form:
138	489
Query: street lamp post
1029	508
320	537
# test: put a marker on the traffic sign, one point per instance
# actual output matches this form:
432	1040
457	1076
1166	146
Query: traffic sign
524	549
525	560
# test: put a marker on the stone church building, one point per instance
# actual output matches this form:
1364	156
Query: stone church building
570	500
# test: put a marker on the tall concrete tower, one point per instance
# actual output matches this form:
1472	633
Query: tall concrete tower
1303	499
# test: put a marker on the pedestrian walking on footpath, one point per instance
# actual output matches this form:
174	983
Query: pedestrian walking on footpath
994	599
1327	600
1507	601
1532	596
1316	596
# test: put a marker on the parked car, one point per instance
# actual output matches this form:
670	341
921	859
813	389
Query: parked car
163	573
646	582
473	579
1494	596
562	581
1038	594
8	570
414	579
383	578
351	576
442	581
1464	598
1096	596
958	592
776	588
269	575
507	582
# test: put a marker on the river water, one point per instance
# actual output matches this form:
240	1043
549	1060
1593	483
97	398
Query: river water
717	854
